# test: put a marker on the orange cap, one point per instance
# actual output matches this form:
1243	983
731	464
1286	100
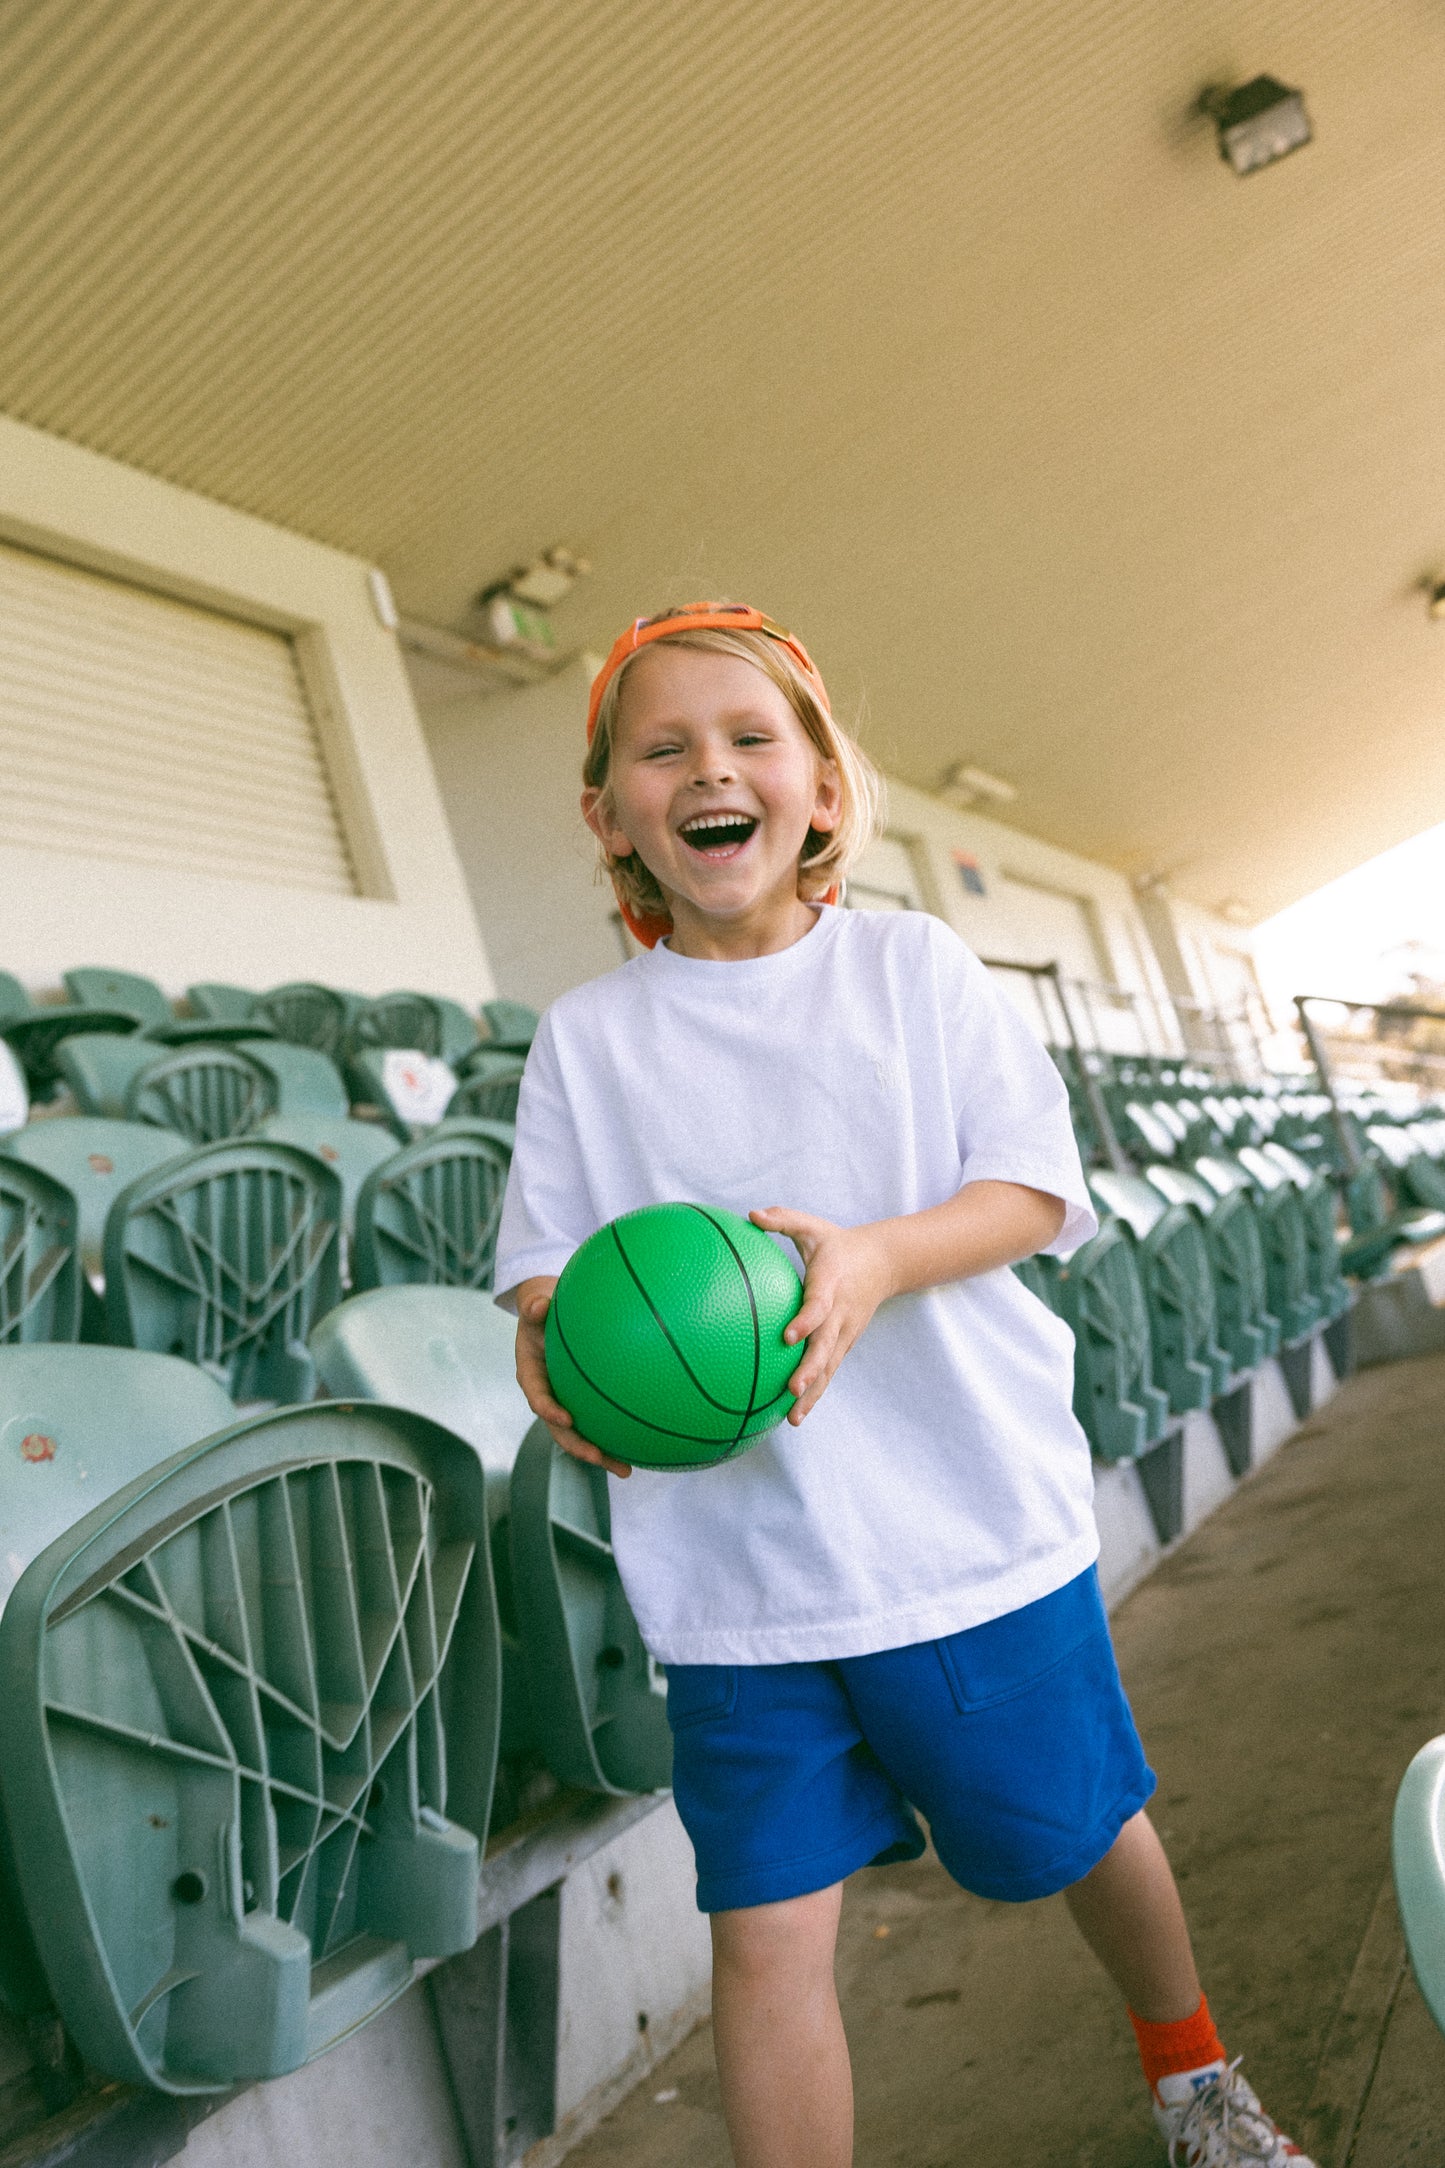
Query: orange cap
652	927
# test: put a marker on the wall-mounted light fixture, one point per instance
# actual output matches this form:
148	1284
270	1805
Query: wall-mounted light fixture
967	788
1435	597
1258	123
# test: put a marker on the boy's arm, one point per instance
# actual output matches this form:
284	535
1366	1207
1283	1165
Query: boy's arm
851	1270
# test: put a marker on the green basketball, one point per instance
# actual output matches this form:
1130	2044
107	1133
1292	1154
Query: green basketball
665	1336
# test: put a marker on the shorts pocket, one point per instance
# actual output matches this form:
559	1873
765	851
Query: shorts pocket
987	1664
698	1692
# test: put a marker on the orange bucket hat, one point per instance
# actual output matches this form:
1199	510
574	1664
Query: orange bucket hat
651	927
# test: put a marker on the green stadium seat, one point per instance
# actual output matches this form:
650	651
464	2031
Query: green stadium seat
510	1024
228	1258
306	1081
100	1069
95	1158
352	1149
429	1215
598	1701
38	1039
1322	1212
412	1089
488	1088
221	1004
40	1274
1285	1238
305	1014
203	1093
1245	1327
93	1419
1123	1412
1379	1223
14	1000
94	988
1418	1849
1178	1276
250	1741
1040	1276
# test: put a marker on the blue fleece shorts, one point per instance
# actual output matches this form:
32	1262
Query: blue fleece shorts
1013	1740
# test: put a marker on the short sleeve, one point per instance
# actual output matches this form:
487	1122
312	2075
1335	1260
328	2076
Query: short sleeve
1009	1101
547	1211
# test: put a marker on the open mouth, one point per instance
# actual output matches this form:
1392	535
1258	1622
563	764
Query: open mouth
717	835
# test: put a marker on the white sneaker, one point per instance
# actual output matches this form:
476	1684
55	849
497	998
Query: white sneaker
1220	2124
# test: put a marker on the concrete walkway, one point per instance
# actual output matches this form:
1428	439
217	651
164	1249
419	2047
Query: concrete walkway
1284	1663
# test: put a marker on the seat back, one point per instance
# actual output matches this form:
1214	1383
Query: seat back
14	1098
1040	1276
228	1258
510	1023
429	1215
399	1019
251	1719
37	1039
96	1159
352	1149
597	1700
1178	1274
490	1084
99	1069
305	1014
305	1080
203	1093
96	988
40	1276
445	1352
1122	1410
14	1000
220	1003
1418	1852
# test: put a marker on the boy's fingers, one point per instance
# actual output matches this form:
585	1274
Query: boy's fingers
580	1449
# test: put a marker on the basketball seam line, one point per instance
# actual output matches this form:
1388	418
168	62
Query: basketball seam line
689	1437
661	1323
751	1407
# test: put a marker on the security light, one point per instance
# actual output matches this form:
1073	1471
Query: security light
1261	121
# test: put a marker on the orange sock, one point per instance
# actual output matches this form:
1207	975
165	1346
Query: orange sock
1168	2050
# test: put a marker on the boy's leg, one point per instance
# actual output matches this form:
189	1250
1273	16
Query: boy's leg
1128	1911
782	2056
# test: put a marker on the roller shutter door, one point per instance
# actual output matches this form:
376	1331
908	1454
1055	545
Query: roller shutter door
136	727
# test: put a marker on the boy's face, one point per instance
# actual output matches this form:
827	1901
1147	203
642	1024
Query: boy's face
714	783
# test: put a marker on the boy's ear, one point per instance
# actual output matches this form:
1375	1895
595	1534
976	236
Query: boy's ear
828	805
598	814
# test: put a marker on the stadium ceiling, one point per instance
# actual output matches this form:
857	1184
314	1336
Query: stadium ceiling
940	330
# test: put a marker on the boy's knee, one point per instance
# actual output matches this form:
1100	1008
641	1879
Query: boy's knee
791	1934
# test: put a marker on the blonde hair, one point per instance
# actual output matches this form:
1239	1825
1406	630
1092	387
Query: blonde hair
827	854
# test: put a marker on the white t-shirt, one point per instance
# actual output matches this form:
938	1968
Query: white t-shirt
871	1069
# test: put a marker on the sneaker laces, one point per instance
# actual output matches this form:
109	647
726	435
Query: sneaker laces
1224	2124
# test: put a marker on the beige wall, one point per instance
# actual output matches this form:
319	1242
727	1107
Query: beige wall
413	923
508	767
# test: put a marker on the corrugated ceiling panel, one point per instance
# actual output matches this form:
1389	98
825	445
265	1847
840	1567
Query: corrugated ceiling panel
134	726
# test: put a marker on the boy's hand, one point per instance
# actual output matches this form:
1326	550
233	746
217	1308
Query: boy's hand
534	1299
849	1272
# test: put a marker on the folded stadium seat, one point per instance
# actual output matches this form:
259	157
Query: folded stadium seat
251	1726
1280	1213
1144	1131
429	1214
1418	1854
14	1000
1178	1275
1322	1214
1116	1399
204	1093
219	1003
14	1098
95	988
95	1159
38	1040
99	1069
40	1275
305	1014
1380	1223
228	1257
351	1148
1244	1325
306	1081
491	1080
426	1022
413	1090
510	1024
